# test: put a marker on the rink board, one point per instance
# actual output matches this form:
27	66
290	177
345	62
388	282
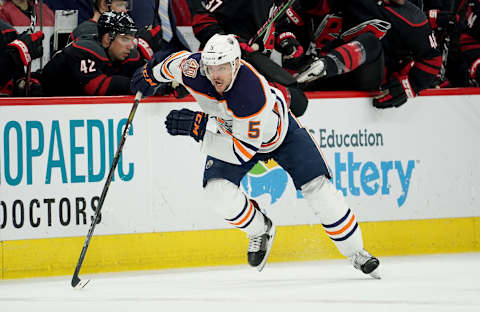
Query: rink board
150	251
410	174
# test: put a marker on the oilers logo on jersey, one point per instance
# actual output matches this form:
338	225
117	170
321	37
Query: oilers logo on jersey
190	68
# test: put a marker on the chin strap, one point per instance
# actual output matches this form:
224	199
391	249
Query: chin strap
234	75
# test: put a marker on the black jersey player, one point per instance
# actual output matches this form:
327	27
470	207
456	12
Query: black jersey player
412	59
93	66
16	52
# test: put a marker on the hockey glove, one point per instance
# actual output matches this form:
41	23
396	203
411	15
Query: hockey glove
20	87
187	122
394	93
443	19
288	45
245	48
150	41
26	48
179	91
143	79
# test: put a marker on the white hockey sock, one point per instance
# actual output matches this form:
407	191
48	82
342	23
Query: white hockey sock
230	203
250	219
338	220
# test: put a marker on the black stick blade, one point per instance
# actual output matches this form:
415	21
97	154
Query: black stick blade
77	283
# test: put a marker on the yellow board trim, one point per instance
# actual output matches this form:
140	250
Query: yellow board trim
151	251
1	260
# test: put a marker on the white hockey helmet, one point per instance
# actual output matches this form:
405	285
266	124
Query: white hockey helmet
221	49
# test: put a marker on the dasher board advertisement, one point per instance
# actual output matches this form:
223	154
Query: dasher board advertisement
418	161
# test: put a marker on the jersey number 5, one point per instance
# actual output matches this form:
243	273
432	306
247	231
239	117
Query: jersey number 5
253	129
87	68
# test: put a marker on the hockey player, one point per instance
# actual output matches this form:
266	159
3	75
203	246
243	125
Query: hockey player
244	18
253	124
412	60
458	22
89	27
355	62
16	52
149	40
470	42
96	67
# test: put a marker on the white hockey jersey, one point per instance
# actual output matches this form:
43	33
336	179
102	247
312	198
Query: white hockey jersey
251	117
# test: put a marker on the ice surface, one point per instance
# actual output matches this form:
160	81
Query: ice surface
409	284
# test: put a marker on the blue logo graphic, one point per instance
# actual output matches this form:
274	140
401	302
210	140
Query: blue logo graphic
351	177
266	178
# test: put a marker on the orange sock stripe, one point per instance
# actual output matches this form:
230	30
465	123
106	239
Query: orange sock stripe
343	229
250	210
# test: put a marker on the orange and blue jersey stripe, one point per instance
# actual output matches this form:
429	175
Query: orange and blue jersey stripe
279	102
164	71
243	150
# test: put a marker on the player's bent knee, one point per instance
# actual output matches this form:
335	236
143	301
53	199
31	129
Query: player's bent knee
324	199
371	44
225	198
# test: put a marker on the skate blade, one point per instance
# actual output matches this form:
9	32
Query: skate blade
260	267
375	274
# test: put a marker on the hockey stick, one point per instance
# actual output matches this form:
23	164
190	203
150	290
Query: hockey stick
459	9
276	14
40	13
31	29
76	281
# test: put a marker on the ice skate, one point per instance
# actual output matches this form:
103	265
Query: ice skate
259	246
312	72
366	263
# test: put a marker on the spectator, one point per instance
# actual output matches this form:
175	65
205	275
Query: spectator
16	52
194	6
84	7
100	66
144	13
182	13
20	13
173	40
173	37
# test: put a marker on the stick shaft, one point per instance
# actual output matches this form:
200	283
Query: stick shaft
31	29
276	14
75	278
40	13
